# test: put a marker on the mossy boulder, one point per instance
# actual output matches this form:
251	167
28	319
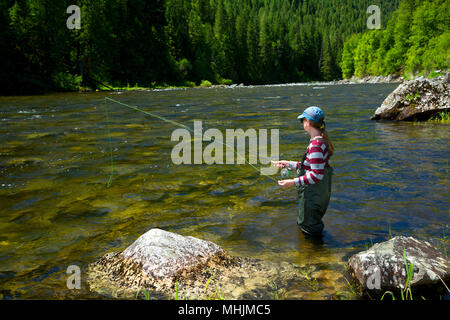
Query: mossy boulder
167	266
418	99
383	266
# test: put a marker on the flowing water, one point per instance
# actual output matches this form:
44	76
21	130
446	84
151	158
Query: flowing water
56	209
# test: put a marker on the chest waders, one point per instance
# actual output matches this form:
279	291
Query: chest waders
313	201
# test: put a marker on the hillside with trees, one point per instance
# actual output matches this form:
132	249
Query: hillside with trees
179	42
415	41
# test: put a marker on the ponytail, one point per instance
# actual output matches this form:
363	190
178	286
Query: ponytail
328	143
324	134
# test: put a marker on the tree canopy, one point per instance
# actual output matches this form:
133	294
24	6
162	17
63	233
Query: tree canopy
148	42
416	40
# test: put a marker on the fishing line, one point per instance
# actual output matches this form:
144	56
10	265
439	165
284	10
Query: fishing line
110	146
165	120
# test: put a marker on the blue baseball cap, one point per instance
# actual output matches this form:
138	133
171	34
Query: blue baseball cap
312	113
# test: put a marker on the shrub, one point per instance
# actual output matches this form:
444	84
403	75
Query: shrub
205	83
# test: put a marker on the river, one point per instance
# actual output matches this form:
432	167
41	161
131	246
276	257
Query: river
56	210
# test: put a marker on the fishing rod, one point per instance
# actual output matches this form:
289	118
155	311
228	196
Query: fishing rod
136	108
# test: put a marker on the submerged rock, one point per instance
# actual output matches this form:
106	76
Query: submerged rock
417	99
382	267
168	265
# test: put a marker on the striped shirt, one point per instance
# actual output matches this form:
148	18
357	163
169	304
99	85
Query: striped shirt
317	158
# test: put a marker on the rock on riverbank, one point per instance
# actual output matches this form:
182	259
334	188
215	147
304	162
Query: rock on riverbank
372	79
382	267
417	99
168	265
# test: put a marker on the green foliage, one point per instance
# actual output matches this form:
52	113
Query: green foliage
388	292
443	116
188	84
434	74
275	291
174	41
217	294
390	230
205	83
66	81
416	40
225	81
146	294
348	60
412	97
444	240
184	67
409	275
405	292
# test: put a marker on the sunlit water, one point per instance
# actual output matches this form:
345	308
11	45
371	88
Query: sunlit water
56	210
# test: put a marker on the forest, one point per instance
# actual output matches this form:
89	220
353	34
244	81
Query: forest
123	43
415	41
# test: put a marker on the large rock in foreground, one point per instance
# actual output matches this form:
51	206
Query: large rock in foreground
382	267
417	99
164	254
168	265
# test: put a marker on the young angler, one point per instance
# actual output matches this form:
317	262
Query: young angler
314	173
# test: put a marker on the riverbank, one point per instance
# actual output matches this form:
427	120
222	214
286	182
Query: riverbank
227	83
394	78
353	80
372	79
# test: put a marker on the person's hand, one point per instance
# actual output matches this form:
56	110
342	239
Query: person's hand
286	183
281	164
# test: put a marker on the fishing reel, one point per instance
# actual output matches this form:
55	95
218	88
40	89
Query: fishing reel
285	172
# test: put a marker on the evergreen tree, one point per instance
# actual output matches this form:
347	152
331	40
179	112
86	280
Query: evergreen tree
415	40
144	42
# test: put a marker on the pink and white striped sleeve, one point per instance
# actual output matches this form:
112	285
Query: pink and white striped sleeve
314	164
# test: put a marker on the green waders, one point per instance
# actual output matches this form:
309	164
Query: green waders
313	202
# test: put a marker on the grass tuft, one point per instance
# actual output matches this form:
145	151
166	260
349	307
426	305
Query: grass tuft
443	116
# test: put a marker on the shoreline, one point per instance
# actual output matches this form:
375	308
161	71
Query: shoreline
174	88
390	79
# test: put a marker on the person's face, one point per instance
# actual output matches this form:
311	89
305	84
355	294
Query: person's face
305	123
